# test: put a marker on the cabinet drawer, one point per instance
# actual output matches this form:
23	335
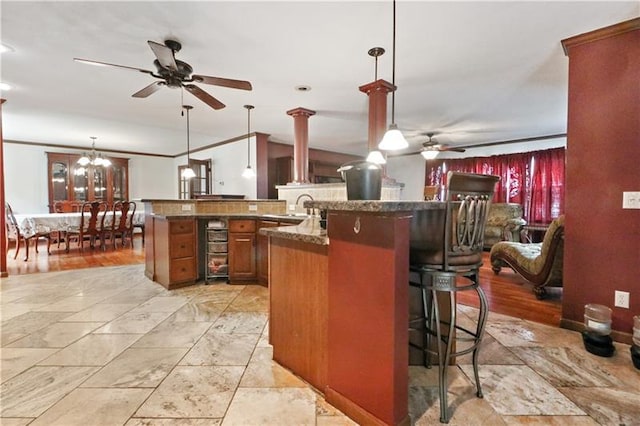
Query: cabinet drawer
242	226
183	269
267	224
181	227
181	246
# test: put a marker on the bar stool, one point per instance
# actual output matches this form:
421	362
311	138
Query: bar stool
446	255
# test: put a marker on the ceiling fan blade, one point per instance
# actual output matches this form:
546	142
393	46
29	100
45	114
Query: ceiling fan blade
164	55
454	149
204	96
106	64
224	82
150	89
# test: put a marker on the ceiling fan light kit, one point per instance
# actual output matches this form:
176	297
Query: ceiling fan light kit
393	138
174	73
431	148
248	172
429	154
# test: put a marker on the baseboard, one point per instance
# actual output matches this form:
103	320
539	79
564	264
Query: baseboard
355	412
617	336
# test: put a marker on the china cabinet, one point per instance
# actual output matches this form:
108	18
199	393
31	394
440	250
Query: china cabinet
71	184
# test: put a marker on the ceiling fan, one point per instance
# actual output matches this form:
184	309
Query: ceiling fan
431	147
176	74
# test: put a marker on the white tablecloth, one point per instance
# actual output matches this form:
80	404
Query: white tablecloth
31	224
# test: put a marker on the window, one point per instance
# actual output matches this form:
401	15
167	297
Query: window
198	185
533	179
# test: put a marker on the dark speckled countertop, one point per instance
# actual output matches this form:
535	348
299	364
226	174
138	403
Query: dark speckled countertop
375	206
308	231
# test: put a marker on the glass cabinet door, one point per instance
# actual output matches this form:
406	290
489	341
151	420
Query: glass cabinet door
80	183
60	180
119	175
99	184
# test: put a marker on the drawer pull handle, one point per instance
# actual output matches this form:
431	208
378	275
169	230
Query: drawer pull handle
244	240
356	226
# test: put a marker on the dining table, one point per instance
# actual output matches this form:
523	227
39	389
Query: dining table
31	224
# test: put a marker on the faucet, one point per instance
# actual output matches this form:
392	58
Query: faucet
304	195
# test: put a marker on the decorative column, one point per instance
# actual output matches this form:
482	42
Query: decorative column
377	92
3	226
301	143
262	165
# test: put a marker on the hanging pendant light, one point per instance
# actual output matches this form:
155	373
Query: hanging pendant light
248	173
188	173
393	138
377	157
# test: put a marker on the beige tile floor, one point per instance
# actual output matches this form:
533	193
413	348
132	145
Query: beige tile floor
108	347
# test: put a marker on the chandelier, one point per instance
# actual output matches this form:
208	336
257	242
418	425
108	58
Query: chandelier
93	159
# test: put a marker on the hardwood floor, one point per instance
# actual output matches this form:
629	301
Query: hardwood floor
59	260
507	293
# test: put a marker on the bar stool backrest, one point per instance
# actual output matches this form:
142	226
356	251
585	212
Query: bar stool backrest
468	200
452	239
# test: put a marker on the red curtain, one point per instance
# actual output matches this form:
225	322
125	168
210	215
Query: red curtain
547	190
533	179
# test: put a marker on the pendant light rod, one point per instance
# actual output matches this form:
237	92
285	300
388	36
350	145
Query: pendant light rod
393	67
375	52
393	138
248	172
188	108
249	108
188	173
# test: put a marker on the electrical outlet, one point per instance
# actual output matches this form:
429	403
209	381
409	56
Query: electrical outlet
186	207
292	207
253	207
621	299
630	200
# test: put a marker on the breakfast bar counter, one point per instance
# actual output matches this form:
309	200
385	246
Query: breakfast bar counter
339	304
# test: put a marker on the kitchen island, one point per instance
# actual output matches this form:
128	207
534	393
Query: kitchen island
191	240
339	304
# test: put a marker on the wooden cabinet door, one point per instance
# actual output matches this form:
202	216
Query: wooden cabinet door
262	252
242	256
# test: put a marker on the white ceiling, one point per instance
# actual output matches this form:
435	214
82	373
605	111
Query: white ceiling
477	72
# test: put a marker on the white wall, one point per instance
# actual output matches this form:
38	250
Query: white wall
410	169
26	186
229	161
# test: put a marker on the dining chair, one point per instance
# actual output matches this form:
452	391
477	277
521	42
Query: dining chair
91	225
14	233
123	212
445	256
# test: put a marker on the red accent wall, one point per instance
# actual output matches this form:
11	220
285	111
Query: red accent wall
602	241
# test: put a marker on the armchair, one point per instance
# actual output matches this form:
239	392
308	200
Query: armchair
503	224
538	263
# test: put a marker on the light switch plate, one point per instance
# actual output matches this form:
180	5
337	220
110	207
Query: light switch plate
631	200
186	207
253	207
